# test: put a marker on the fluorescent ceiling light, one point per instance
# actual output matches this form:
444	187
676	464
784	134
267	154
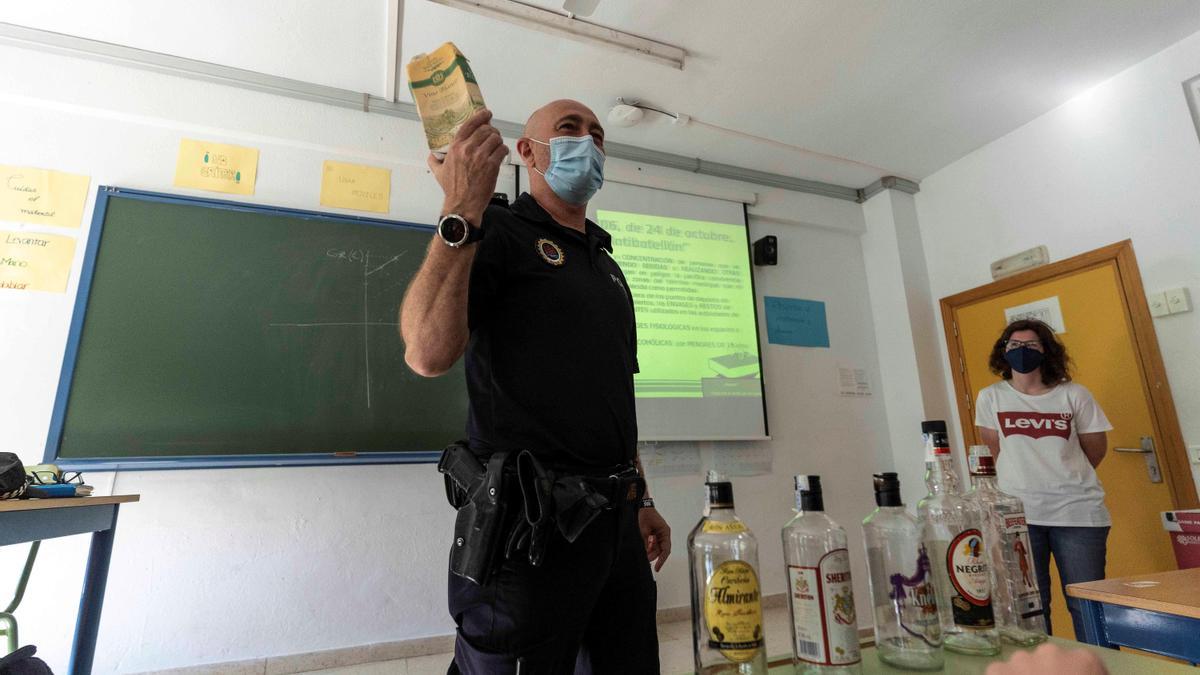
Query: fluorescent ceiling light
554	23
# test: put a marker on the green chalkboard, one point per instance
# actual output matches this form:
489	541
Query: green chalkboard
206	329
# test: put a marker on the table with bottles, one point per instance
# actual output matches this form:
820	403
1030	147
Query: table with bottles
1125	663
952	582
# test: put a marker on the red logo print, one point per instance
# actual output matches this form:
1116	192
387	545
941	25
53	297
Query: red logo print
1035	424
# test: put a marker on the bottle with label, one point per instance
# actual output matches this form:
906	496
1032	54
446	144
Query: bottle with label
954	537
820	594
908	634
727	618
1016	600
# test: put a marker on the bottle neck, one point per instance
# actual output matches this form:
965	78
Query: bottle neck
720	511
984	481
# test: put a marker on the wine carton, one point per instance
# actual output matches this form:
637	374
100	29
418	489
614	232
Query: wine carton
445	92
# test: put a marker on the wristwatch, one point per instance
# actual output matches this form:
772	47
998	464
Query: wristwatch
456	231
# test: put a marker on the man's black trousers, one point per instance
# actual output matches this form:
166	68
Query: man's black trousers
589	608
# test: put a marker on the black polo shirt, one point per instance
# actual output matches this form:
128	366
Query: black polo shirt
553	346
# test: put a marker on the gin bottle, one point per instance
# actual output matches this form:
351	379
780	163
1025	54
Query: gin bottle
1016	599
727	619
907	632
820	594
954	537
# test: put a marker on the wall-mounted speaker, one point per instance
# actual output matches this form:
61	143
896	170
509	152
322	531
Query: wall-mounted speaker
766	251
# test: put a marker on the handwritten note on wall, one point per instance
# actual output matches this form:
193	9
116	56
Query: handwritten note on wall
796	322
31	261
42	196
354	186
216	166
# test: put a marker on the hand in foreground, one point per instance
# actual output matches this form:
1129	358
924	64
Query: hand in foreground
1050	659
468	172
656	535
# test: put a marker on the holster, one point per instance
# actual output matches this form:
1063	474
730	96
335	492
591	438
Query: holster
478	494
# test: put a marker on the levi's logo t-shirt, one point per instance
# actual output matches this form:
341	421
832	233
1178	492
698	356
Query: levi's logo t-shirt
1041	460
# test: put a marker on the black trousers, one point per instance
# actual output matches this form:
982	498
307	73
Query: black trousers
588	609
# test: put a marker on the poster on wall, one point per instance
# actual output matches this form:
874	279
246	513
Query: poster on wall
1047	310
42	196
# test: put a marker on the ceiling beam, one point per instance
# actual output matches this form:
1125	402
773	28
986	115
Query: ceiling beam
564	25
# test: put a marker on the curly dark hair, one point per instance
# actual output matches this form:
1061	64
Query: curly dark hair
1056	366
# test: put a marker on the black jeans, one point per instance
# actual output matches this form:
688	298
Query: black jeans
588	609
1079	553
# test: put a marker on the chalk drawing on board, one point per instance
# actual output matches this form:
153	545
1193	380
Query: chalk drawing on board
354	256
1046	310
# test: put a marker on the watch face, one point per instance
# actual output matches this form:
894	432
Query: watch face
454	230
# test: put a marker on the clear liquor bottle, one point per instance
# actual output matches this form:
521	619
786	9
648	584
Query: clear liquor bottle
820	593
1016	600
954	537
727	619
908	634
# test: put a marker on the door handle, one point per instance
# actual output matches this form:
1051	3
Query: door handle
1147	449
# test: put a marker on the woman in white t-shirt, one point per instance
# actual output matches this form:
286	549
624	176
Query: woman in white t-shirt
1048	436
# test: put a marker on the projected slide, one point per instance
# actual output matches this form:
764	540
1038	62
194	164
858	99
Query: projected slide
691	286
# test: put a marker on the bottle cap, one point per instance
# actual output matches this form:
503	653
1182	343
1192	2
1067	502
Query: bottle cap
718	492
931	426
808	493
887	489
808	483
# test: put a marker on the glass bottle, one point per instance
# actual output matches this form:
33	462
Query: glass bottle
820	593
727	619
954	537
908	634
1016	599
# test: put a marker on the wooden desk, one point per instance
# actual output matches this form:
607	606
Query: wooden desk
37	519
1157	613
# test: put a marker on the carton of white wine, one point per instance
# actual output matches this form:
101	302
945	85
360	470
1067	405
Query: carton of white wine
445	92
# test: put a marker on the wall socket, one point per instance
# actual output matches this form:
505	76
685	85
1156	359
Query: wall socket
1194	454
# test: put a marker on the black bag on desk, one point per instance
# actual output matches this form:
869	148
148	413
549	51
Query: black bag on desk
12	476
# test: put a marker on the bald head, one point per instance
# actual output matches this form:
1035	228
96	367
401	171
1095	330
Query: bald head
564	117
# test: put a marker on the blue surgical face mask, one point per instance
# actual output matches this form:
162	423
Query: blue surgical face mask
576	168
1024	359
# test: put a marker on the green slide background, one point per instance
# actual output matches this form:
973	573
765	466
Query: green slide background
692	290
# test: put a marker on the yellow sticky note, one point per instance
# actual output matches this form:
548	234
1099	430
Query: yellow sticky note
32	261
354	186
216	166
42	196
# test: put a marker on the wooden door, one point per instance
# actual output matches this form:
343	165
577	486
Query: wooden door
1111	342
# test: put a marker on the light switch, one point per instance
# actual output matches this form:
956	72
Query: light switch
1194	454
1158	304
1178	301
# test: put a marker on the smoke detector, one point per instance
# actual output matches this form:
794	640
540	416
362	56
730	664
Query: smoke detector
624	115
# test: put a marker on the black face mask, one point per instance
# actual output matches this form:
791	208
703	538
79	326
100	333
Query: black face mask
1024	359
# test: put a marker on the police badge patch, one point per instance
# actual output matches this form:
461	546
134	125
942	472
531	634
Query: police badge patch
551	252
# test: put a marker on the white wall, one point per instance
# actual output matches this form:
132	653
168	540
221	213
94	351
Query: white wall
1120	161
220	565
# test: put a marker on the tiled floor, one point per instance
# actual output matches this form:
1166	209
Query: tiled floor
674	649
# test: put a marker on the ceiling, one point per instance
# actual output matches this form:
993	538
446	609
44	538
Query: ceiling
907	86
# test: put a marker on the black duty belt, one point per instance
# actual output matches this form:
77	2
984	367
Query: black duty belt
548	497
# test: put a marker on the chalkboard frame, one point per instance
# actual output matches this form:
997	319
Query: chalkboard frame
70	356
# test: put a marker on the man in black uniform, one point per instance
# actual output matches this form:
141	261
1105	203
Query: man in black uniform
545	319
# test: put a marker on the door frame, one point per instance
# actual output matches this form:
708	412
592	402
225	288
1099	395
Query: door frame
1172	453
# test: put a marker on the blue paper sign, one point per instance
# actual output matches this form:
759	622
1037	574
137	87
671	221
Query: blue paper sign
796	322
